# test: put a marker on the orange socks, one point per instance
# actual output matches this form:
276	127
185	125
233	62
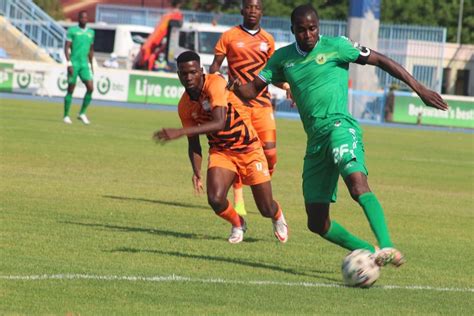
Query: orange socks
278	213
230	215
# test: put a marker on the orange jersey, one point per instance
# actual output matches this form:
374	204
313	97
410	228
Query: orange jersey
246	56
238	134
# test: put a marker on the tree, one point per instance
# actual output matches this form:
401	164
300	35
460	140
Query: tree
52	7
443	13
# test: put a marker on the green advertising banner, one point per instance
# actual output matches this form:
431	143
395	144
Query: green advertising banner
410	109
6	77
154	90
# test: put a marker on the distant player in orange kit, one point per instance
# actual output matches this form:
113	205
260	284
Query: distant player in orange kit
247	48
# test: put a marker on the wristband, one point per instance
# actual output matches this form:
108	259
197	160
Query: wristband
69	63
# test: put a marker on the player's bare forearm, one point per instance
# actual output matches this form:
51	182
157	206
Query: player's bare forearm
247	91
67	49
195	157
209	127
429	97
285	86
195	154
215	125
196	162
216	63
393	68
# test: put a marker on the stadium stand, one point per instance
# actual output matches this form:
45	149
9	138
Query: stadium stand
18	46
35	34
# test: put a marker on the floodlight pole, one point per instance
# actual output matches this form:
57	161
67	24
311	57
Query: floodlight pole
461	6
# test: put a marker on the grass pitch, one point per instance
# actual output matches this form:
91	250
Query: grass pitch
100	220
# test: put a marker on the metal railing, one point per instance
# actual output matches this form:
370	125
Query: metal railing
277	26
365	106
35	24
419	49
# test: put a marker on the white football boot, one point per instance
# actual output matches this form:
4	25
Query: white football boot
67	120
280	229
84	119
237	233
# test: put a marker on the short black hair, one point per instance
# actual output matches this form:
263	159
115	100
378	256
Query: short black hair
188	56
303	10
81	12
243	2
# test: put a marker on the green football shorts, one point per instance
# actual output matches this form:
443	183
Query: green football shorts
337	150
82	70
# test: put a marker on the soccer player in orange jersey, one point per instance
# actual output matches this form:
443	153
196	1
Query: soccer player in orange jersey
247	48
206	107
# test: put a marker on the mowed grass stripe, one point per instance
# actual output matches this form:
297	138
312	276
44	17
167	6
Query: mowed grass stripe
105	200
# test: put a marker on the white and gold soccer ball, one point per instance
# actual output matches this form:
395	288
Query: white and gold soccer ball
359	269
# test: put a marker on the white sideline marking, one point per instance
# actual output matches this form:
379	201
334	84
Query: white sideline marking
177	278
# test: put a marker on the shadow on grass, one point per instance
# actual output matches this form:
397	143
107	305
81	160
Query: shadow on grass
319	274
155	231
169	203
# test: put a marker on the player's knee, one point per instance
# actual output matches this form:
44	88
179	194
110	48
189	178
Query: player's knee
357	185
318	227
357	190
217	201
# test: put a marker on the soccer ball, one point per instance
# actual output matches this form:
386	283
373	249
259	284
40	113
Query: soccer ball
359	269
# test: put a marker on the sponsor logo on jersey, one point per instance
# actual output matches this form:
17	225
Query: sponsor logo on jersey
240	44
321	59
289	65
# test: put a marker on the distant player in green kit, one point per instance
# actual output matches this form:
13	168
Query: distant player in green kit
316	67
79	53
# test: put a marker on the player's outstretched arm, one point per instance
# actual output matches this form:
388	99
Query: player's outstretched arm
247	91
429	97
215	125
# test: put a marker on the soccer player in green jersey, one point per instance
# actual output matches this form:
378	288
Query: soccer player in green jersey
316	67
79	51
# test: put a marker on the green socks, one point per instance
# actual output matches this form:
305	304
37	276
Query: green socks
85	103
340	236
67	104
374	212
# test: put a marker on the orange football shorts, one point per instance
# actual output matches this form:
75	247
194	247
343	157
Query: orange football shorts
264	123
251	166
